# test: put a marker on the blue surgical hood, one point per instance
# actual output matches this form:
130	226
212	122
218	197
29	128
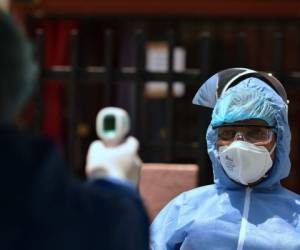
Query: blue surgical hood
250	99
227	215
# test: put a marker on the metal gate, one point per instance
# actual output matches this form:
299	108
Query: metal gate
205	45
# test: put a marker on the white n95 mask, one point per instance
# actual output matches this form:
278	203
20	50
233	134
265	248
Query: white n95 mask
245	162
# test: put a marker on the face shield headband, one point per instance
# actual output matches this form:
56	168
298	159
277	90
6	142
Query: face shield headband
230	77
225	79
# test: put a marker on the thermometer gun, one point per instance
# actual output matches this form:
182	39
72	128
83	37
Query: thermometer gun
112	125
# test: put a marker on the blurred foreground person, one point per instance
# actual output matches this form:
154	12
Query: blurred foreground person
248	142
41	206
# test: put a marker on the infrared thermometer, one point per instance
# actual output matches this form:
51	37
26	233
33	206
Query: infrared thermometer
112	125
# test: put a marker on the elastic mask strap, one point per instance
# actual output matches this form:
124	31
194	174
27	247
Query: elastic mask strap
271	152
273	148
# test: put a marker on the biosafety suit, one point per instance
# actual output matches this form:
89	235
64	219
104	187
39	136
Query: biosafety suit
229	215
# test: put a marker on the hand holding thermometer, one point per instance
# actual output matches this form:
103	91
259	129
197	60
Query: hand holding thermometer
112	125
113	155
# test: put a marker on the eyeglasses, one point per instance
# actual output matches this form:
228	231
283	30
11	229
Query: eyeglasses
256	134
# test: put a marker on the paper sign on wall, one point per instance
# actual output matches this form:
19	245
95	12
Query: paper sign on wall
157	61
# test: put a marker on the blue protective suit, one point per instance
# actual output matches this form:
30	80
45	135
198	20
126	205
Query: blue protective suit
228	215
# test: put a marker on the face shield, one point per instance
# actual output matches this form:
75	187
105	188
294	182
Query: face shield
219	83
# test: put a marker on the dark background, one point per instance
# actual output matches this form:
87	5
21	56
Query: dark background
263	35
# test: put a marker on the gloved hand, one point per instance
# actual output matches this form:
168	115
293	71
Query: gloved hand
120	162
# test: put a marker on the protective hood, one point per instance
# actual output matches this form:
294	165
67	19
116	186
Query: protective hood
250	99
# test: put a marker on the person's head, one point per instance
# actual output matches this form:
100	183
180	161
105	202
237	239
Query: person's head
248	138
17	69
